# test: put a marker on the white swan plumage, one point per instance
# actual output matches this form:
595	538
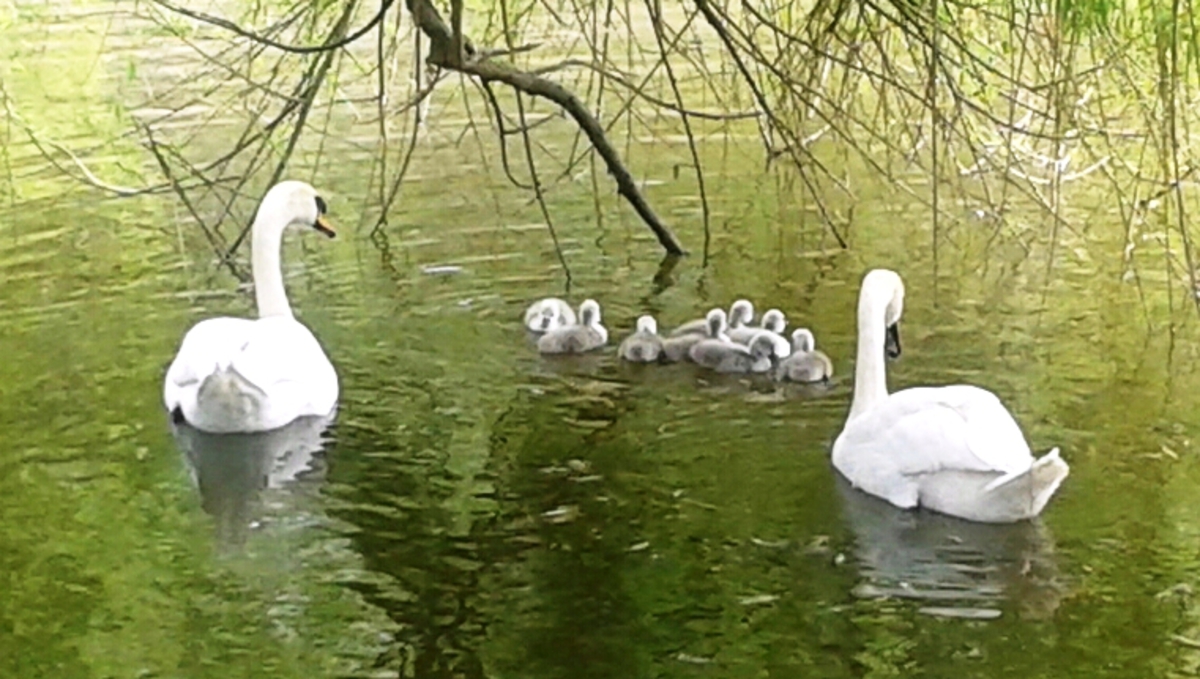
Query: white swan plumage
247	375
953	449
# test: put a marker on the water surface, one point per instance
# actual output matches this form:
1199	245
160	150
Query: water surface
477	510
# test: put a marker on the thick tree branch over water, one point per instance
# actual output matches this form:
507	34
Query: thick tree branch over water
443	53
1000	107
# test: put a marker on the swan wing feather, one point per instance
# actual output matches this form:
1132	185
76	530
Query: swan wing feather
958	428
207	347
279	356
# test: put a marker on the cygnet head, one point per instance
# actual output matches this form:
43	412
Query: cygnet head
775	321
294	202
716	323
548	317
802	341
762	345
647	324
741	313
883	286
589	312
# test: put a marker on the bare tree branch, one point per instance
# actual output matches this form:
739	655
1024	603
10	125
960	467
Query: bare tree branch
441	53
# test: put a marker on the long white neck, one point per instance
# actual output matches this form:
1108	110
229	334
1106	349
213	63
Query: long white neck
264	264
870	373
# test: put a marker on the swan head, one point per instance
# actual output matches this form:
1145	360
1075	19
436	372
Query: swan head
762	345
802	341
884	286
589	312
647	324
741	313
775	321
296	202
715	322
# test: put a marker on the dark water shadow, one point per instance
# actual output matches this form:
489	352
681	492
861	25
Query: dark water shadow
952	568
232	471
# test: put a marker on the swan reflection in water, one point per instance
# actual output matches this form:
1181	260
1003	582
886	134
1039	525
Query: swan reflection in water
236	473
951	567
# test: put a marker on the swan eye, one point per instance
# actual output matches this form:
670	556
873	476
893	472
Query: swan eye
321	209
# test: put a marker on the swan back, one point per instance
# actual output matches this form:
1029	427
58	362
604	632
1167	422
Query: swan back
647	324
242	375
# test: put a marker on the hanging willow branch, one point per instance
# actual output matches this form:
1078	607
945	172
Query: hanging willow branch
468	61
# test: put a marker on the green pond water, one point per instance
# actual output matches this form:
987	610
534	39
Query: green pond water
479	511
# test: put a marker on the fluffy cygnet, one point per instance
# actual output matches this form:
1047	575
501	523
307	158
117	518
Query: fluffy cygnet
740	313
773	322
676	349
549	314
644	345
589	334
730	357
806	364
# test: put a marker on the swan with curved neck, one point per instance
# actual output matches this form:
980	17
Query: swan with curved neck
247	375
953	449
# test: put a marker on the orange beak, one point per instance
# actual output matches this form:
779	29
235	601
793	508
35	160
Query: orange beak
322	224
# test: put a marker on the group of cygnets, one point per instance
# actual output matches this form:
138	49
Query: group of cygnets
726	343
954	449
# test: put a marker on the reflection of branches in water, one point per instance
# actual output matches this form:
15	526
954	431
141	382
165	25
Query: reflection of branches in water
47	148
997	103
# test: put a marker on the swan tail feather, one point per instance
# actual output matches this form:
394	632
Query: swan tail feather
1048	473
1041	480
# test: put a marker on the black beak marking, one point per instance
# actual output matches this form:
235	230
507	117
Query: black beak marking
322	224
891	346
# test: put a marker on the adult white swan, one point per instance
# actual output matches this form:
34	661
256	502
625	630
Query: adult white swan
952	449
247	375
